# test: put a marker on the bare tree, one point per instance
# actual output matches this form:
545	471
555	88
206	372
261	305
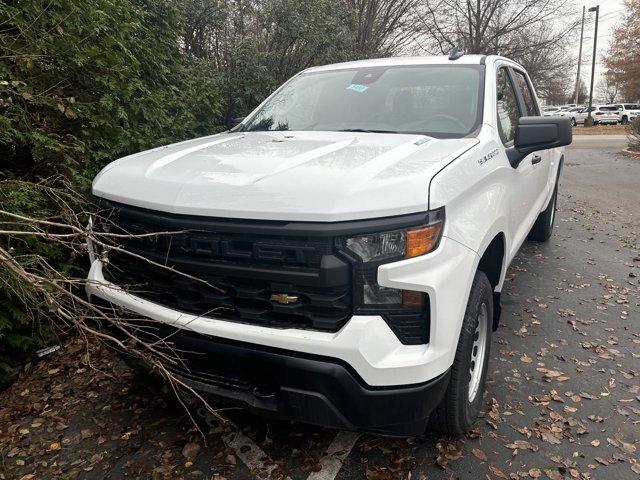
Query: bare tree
494	26
609	88
583	93
532	32
382	27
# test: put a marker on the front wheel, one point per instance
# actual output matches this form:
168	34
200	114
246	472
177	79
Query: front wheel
624	121
462	401
573	122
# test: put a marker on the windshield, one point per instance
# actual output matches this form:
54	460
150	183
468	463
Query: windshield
632	107
435	100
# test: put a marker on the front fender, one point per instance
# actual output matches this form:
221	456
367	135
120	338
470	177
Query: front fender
476	198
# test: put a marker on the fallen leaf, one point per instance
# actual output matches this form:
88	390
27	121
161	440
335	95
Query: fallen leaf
479	454
497	472
190	451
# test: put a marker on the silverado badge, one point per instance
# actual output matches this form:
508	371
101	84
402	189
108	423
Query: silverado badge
284	298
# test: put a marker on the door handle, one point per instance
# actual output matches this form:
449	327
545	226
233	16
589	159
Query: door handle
536	159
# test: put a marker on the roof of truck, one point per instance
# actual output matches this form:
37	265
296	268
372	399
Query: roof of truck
405	61
398	61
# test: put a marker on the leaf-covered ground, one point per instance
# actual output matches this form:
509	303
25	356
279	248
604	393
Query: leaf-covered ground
563	400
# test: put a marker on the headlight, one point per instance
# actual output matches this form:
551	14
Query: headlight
396	244
379	246
405	311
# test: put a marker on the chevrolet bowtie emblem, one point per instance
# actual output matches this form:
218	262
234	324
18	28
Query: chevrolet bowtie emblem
283	298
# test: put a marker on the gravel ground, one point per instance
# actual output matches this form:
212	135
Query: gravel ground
563	399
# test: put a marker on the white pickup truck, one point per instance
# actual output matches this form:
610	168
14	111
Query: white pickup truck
357	226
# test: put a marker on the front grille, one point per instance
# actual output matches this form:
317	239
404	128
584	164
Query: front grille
237	248
214	271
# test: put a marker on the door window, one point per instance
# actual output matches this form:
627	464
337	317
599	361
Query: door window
530	104
508	112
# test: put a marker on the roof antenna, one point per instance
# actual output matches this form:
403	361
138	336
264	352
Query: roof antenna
456	54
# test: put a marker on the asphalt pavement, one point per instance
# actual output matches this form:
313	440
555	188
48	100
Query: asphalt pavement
563	399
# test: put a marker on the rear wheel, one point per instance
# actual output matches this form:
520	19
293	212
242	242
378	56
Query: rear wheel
543	228
462	402
573	122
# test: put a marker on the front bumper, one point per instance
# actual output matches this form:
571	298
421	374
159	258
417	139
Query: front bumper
365	342
302	387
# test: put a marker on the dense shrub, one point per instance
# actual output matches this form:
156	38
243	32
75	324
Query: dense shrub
23	313
83	82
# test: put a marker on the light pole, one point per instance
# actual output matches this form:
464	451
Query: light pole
589	120
577	90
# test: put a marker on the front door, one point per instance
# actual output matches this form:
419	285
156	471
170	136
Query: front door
529	185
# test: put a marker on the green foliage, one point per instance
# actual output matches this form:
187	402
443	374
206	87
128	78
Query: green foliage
83	82
22	312
256	46
17	335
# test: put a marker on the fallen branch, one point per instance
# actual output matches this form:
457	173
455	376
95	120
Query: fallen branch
53	294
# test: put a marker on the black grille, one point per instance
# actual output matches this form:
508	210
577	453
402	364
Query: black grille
237	273
237	248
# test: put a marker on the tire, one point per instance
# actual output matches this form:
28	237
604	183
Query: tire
462	402
624	120
543	228
573	122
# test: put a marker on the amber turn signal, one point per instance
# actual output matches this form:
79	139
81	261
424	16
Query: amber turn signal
411	298
422	240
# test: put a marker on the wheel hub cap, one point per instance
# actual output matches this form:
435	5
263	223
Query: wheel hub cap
477	353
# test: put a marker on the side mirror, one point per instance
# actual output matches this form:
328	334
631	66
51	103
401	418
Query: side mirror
539	133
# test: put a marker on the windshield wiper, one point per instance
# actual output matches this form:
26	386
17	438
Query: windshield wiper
364	130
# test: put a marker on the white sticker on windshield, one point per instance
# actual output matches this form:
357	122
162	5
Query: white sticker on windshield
356	87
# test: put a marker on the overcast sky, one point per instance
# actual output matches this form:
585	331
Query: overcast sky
611	13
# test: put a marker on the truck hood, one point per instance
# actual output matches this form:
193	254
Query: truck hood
296	176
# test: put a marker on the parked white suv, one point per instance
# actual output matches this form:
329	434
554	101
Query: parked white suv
627	112
353	234
601	114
